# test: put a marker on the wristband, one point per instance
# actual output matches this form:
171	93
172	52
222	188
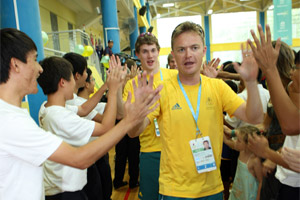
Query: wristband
232	134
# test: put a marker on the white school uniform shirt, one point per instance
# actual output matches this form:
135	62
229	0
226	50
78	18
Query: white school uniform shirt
286	176
24	147
264	97
77	101
76	131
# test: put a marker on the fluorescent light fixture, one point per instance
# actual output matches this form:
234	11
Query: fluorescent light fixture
271	7
210	11
166	5
157	15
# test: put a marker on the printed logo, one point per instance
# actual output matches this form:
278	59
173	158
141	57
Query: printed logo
176	107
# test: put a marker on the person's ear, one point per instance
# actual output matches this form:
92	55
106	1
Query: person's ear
62	82
77	76
15	64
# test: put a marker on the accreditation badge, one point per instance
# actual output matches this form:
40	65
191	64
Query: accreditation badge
157	132
203	154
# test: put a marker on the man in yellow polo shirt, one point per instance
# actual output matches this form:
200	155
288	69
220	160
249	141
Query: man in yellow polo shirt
190	112
147	50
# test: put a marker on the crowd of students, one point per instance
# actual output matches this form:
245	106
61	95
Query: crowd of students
178	115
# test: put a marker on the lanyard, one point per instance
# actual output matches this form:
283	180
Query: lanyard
195	116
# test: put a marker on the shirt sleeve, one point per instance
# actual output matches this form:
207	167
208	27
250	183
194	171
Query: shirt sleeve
230	100
28	142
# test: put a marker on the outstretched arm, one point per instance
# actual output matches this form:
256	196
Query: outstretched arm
139	92
251	111
86	155
259	145
266	56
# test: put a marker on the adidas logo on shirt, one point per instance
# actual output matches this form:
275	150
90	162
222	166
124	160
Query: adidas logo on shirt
176	107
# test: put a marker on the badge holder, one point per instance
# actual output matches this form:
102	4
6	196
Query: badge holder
203	153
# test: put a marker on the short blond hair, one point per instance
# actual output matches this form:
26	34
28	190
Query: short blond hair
187	27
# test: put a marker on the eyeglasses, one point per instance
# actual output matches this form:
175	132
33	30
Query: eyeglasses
146	33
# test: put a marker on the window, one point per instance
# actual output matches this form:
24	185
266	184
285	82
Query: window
232	27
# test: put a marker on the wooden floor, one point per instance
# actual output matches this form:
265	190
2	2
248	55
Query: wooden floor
123	193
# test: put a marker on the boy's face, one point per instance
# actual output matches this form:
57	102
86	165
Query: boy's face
172	64
70	87
29	72
91	85
188	51
80	79
148	55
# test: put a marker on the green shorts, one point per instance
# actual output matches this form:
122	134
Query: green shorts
149	173
218	196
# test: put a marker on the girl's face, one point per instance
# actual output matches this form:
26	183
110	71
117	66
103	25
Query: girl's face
240	144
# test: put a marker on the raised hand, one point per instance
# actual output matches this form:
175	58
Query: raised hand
116	73
249	69
258	144
292	158
134	71
265	55
145	99
211	69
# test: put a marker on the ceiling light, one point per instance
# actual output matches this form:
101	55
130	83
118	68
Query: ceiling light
166	5
210	11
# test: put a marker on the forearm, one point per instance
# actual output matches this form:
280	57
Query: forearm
275	157
91	103
286	111
254	110
120	104
139	128
229	143
227	75
90	153
109	116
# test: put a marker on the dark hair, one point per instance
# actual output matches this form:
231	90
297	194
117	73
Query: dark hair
78	62
187	27
129	63
54	69
146	38
297	58
232	85
14	44
170	57
229	68
88	79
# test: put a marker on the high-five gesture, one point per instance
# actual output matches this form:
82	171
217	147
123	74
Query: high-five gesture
145	99
211	68
249	69
265	55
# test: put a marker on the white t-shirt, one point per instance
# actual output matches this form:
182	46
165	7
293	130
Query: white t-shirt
24	147
264	97
98	109
286	176
76	131
77	101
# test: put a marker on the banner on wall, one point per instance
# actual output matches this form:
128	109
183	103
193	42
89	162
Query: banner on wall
283	20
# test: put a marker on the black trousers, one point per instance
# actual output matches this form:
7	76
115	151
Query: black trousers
288	192
99	181
78	195
127	148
